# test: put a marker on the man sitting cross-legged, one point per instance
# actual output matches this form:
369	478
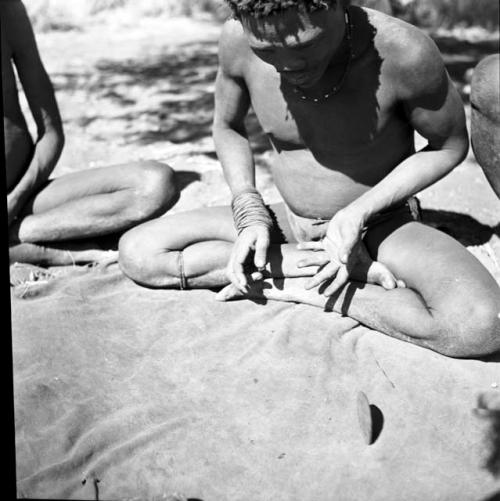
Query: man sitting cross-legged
48	218
340	92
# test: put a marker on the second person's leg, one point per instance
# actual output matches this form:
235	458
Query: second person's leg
55	226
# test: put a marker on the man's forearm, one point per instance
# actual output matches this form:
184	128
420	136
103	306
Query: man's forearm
414	174
235	155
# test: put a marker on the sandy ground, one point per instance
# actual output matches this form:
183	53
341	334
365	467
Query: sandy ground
133	89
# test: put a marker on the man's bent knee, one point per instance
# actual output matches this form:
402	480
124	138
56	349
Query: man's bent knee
134	255
138	259
156	191
475	336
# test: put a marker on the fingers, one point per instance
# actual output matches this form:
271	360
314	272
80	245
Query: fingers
227	293
232	292
326	273
342	236
251	238
316	259
235	270
348	243
332	249
261	247
314	246
339	281
236	274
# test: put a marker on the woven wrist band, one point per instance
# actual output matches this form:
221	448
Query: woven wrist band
249	209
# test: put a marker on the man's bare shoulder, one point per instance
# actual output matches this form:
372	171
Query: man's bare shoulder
234	51
410	57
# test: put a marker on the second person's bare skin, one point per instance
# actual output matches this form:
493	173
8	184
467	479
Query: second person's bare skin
53	222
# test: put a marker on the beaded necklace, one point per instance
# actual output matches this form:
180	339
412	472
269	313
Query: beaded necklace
340	83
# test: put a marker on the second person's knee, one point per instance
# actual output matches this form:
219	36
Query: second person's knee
156	191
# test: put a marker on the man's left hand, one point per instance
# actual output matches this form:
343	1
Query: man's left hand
345	254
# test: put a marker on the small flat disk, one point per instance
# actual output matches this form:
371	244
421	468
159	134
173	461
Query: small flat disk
365	418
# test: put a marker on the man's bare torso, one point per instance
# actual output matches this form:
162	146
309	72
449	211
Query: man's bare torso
329	153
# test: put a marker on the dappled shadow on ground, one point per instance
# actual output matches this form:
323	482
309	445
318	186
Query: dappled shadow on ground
462	227
166	96
182	79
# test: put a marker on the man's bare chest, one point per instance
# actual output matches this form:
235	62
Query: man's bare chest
358	116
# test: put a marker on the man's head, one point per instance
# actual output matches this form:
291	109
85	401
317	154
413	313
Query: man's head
298	37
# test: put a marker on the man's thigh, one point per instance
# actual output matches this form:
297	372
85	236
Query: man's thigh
282	231
181	229
432	263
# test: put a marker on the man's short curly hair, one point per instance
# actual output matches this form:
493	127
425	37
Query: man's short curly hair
262	8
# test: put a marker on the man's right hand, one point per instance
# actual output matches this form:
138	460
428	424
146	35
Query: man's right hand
254	238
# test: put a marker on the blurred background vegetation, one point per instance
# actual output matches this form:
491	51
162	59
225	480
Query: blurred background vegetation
432	14
442	13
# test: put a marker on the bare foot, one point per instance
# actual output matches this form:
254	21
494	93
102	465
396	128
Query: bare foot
294	289
373	272
366	270
60	255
